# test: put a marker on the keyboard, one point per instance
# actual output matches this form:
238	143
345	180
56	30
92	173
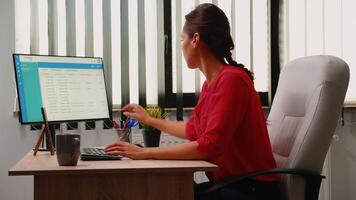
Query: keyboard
94	153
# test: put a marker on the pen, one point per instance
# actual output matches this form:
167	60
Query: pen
116	125
126	121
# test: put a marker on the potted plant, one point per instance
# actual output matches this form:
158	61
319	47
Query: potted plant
151	135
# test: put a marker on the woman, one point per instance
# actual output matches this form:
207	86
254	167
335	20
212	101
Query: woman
227	126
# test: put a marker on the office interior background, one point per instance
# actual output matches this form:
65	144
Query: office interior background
139	41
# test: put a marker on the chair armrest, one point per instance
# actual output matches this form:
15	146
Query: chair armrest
313	179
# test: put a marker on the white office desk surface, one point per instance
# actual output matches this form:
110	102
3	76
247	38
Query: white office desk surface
45	164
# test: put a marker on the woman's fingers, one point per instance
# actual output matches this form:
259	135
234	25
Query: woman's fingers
128	114
115	144
130	110
111	145
135	111
117	152
114	148
126	107
125	149
129	107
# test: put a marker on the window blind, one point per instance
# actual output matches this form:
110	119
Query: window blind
320	27
249	21
114	30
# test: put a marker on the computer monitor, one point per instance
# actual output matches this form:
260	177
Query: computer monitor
69	88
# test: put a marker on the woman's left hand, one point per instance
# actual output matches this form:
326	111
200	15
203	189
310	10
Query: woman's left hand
126	149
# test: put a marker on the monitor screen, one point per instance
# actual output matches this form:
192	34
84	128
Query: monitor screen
69	88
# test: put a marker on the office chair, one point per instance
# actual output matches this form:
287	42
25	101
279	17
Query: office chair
302	120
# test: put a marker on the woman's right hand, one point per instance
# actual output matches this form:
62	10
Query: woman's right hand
137	112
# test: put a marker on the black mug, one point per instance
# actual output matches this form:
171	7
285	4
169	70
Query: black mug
67	149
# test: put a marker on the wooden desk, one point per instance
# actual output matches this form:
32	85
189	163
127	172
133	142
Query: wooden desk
124	179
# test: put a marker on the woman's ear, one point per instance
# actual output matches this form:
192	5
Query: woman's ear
195	40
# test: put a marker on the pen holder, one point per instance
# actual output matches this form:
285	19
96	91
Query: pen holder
124	134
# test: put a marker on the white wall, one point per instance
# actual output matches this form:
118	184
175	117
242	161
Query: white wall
343	159
14	143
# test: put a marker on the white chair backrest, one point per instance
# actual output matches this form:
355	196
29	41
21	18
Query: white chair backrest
304	115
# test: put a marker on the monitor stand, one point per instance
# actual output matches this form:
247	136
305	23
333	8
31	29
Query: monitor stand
46	134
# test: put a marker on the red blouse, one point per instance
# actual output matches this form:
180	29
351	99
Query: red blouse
229	125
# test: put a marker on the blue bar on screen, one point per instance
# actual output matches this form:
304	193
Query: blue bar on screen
69	65
21	94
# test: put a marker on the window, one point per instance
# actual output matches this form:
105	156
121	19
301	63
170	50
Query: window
96	28
249	21
321	27
132	37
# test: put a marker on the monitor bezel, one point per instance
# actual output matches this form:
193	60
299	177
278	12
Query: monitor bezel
59	121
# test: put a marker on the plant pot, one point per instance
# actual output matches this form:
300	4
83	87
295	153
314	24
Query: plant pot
151	138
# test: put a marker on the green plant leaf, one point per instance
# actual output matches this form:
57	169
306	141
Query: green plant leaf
155	112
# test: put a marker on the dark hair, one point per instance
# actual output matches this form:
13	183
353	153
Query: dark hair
214	29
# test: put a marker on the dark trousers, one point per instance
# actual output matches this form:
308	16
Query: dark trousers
244	190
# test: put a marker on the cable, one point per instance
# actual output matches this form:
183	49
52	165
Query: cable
108	126
88	127
34	127
70	127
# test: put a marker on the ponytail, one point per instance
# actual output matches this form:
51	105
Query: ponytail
232	62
